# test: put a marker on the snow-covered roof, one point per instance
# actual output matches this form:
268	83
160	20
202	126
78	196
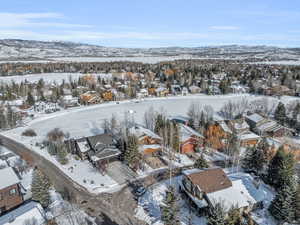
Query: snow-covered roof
26	211
3	163
191	171
68	97
268	126
106	153
256	118
186	132
248	135
242	193
242	125
9	177
225	127
140	131
83	145
180	118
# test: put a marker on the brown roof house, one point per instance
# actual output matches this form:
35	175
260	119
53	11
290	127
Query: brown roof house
10	190
205	188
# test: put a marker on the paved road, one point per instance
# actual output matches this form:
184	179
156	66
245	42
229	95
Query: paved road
110	209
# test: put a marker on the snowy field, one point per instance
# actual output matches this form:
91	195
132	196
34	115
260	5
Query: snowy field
87	120
284	62
142	59
47	77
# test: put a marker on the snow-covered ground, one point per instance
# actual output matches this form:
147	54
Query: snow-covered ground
142	59
47	77
283	62
65	213
86	121
148	208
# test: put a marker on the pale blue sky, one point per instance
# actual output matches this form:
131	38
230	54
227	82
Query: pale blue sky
154	23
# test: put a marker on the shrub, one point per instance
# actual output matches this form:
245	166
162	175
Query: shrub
29	133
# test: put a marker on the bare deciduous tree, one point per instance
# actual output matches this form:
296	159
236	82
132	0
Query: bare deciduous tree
149	118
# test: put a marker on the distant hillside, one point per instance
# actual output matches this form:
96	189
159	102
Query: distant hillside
13	49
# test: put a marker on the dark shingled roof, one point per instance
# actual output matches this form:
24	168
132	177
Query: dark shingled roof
210	180
105	139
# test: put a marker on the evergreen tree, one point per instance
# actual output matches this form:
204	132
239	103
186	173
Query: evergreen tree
201	163
217	215
170	208
3	121
282	205
40	188
281	169
254	160
132	152
280	113
30	99
62	153
175	138
297	203
234	217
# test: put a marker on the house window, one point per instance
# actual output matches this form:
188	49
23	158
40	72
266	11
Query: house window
187	185
1	197
12	191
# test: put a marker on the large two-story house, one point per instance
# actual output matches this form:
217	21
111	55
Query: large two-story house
205	188
100	150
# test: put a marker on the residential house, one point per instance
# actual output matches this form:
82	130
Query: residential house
242	129
10	190
108	95
30	211
239	125
149	142
90	97
265	127
69	101
161	92
143	93
248	138
100	150
280	90
195	89
255	120
205	188
190	140
271	128
176	89
103	150
184	91
217	135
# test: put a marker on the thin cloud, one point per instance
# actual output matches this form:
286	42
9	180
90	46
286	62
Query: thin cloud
224	28
29	20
